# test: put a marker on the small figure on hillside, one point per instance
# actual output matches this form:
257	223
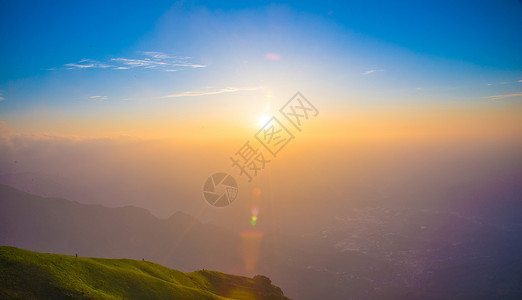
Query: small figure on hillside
76	255
143	259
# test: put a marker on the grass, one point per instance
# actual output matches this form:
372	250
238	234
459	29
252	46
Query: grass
31	275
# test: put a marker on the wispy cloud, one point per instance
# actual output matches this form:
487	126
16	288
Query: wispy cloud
212	92
505	96
1	95
147	60
371	71
505	82
98	97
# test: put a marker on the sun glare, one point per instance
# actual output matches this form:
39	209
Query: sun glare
263	120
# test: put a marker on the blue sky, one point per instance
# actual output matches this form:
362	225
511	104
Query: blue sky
62	59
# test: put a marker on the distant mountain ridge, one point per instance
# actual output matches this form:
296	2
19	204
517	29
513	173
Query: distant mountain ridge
26	274
66	227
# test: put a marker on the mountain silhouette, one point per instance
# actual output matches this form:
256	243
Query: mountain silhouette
66	227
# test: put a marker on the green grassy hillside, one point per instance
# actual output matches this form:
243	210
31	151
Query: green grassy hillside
30	275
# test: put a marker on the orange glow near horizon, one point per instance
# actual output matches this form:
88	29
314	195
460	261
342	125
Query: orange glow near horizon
251	243
424	122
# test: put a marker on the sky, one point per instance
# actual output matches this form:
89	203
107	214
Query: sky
155	70
139	103
117	100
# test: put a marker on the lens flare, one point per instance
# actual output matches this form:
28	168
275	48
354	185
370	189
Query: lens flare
251	242
256	192
255	212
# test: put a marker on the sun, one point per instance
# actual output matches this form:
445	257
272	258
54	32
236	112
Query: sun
263	120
